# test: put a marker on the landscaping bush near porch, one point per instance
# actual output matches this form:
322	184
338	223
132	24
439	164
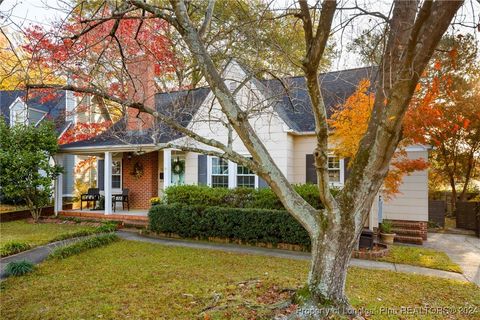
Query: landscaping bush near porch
262	198
248	225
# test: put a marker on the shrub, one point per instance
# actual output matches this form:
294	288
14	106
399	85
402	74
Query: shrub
13	247
109	226
83	245
19	268
106	227
193	195
75	234
251	225
263	198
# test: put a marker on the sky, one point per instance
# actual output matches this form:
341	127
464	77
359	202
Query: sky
22	13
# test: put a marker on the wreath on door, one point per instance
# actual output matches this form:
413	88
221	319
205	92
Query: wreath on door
137	171
178	167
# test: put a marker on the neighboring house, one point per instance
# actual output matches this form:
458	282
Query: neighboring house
17	108
283	120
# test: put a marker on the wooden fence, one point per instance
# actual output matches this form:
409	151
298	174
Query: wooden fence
436	212
468	216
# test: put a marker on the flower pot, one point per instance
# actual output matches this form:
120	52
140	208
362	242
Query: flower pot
387	237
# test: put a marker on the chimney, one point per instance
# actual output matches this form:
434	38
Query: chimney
142	89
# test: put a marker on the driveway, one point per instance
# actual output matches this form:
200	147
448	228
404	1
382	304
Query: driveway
462	249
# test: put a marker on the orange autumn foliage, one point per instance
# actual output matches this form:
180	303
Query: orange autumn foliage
349	123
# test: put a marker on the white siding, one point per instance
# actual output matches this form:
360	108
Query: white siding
207	122
412	202
302	145
191	168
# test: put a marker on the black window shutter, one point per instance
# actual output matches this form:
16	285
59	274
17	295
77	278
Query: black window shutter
202	169
101	174
310	174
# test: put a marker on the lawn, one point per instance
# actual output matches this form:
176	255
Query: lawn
137	280
422	257
35	233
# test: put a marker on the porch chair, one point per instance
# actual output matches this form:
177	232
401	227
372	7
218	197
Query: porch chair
122	198
93	194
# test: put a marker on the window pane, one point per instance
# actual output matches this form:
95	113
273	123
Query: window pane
219	181
219	166
243	170
334	175
116	167
246	181
116	181
333	162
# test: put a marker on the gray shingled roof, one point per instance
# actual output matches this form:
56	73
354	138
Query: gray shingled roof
54	107
291	101
293	104
180	105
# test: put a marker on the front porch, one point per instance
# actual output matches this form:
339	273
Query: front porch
141	172
133	217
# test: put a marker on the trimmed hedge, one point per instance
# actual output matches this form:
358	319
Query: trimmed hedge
250	225
263	198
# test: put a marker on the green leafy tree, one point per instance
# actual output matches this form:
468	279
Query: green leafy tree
26	167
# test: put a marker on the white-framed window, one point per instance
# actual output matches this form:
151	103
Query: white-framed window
219	173
222	173
18	112
335	170
116	174
246	177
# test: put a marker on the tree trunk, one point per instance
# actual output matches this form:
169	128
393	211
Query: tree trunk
468	175
331	253
328	271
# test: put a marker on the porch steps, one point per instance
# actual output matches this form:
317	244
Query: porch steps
407	239
408	232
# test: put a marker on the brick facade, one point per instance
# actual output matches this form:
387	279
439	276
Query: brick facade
141	89
144	187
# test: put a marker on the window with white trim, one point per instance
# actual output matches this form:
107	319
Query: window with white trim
334	169
219	173
245	177
116	174
18	113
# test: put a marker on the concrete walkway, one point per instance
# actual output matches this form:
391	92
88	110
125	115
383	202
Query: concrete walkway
464	250
37	255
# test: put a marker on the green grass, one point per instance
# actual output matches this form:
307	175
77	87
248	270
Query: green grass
422	257
134	280
36	234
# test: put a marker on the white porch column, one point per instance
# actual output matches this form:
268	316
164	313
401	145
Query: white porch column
167	168
108	182
58	190
232	174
